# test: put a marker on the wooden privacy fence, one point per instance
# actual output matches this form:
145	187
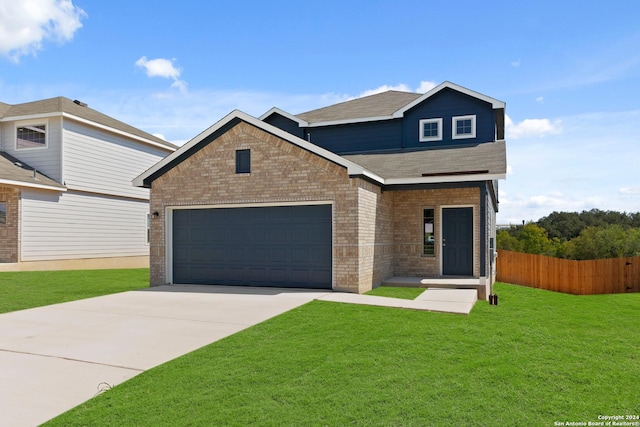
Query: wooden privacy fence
600	276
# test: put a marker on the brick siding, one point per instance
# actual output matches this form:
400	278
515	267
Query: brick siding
10	232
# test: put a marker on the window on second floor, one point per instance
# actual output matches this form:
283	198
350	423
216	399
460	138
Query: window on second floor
31	135
464	127
430	130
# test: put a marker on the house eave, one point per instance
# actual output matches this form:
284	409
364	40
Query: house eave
445	179
13	183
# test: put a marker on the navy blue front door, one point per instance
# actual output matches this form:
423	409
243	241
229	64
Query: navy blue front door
457	241
283	246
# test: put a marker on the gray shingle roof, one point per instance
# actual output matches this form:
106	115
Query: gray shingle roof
12	169
487	158
65	105
378	105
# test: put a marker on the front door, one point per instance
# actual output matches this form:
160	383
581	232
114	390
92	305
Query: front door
457	241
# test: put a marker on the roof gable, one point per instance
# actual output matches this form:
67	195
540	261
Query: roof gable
382	106
194	145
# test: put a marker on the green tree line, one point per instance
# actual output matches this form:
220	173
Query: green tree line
593	234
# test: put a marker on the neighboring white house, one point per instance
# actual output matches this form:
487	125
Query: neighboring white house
65	183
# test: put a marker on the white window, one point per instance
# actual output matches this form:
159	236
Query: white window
430	130
463	127
31	135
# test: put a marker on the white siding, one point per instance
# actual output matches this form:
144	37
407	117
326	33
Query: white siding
101	162
45	160
71	225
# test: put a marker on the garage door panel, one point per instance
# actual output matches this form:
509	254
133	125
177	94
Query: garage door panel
266	246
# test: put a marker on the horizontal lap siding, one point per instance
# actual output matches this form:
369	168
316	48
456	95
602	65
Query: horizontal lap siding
446	105
100	162
71	226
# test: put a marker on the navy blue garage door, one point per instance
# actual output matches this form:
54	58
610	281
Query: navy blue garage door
284	246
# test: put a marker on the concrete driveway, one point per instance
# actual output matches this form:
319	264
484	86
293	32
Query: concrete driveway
55	357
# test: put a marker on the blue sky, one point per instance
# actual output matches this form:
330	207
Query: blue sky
569	72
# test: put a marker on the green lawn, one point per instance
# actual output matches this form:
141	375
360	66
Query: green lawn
397	292
37	288
537	358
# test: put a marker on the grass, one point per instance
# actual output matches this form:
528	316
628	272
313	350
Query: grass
397	292
537	358
30	289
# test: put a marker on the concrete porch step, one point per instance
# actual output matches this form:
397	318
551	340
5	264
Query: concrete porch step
440	282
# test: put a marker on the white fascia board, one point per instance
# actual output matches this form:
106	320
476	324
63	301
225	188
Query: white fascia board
31	185
494	102
445	179
31	117
283	113
352	168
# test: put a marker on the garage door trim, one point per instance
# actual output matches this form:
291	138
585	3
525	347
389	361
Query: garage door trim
169	225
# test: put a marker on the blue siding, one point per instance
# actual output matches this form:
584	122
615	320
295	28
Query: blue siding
358	137
447	104
285	124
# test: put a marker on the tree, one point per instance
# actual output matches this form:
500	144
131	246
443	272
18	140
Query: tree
504	240
534	240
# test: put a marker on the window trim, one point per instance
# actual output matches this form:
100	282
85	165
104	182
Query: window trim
423	138
35	122
239	153
454	127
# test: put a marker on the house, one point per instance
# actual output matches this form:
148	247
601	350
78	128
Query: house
342	197
65	185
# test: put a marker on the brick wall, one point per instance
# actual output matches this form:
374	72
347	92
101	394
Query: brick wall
10	232
280	172
375	235
408	228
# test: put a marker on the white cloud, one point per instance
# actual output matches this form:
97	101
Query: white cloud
515	63
26	24
161	67
531	127
425	86
401	87
509	170
630	191
540	99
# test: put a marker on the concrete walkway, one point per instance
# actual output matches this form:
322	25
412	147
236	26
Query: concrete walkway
55	357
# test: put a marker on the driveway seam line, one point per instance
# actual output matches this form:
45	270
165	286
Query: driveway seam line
72	360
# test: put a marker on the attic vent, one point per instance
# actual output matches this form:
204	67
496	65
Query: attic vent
80	103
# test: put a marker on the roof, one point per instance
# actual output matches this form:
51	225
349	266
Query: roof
378	105
75	110
15	172
382	106
484	161
449	165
